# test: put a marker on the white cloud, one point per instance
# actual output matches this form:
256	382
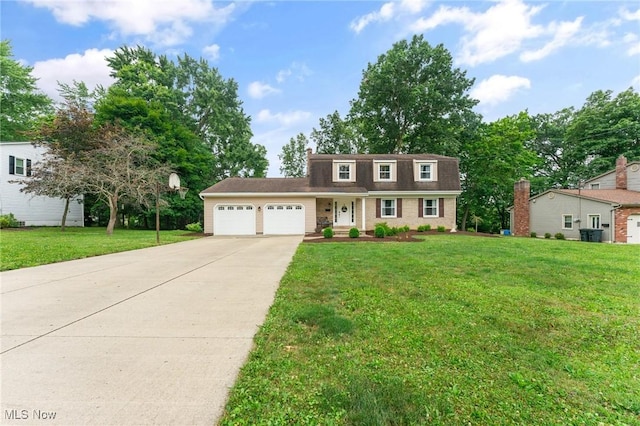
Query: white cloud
562	34
630	16
634	44
162	22
89	67
259	90
212	52
498	88
387	12
298	70
505	27
282	118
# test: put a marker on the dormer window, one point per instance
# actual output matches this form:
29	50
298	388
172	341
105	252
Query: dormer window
344	171
384	171
425	171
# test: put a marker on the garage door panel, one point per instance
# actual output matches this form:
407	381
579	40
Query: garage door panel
284	219
234	219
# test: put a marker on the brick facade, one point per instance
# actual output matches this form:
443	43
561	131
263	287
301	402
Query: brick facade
621	215
521	192
621	173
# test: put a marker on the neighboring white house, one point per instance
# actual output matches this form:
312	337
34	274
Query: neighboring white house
16	161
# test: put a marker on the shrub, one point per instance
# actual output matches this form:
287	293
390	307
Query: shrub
471	229
441	228
393	231
327	232
354	233
406	228
533	235
424	228
559	236
547	235
194	227
8	221
378	232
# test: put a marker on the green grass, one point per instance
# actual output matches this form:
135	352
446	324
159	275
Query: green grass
24	247
454	330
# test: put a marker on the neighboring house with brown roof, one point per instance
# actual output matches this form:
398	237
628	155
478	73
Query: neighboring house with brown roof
341	191
609	202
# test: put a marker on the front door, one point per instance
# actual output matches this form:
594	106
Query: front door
633	229
344	212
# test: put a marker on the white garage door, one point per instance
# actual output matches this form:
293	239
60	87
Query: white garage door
284	219
234	219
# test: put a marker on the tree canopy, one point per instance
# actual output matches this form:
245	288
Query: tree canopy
21	103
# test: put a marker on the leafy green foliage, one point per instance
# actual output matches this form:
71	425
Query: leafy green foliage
412	100
327	232
21	104
337	136
441	228
559	236
379	231
448	332
547	235
294	157
424	228
533	235
354	233
194	227
8	221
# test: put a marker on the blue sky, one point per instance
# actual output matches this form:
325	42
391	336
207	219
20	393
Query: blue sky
298	61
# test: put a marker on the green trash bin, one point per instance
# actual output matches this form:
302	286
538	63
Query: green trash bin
596	235
584	235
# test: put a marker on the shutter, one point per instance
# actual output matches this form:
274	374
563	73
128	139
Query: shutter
12	165
399	206
28	167
377	207
420	207
441	207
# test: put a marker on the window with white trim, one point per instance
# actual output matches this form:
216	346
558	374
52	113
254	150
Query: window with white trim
388	208
344	171
430	206
425	170
384	171
19	166
567	221
594	186
594	221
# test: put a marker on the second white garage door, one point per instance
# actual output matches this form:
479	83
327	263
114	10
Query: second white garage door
234	219
284	219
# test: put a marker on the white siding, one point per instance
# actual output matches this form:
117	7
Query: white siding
32	210
608	181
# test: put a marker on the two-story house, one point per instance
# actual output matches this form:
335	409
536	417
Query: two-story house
342	191
17	159
609	202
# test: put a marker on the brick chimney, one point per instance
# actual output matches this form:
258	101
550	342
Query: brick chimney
309	152
521	193
621	172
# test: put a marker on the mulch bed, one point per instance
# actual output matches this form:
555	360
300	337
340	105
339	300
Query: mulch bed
408	237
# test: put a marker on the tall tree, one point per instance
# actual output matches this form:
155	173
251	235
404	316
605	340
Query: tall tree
294	157
337	136
607	127
492	163
21	104
413	100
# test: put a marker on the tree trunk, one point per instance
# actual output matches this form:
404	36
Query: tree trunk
113	214
63	223
463	224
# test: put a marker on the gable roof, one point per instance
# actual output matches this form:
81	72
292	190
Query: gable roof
613	171
623	197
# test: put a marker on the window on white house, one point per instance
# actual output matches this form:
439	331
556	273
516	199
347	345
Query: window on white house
594	186
388	208
19	166
567	221
594	221
430	207
344	172
425	171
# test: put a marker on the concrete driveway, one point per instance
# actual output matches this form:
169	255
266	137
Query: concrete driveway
153	336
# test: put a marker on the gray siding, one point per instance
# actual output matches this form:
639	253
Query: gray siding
547	215
608	180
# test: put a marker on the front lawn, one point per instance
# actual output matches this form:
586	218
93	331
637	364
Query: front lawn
23	247
454	330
